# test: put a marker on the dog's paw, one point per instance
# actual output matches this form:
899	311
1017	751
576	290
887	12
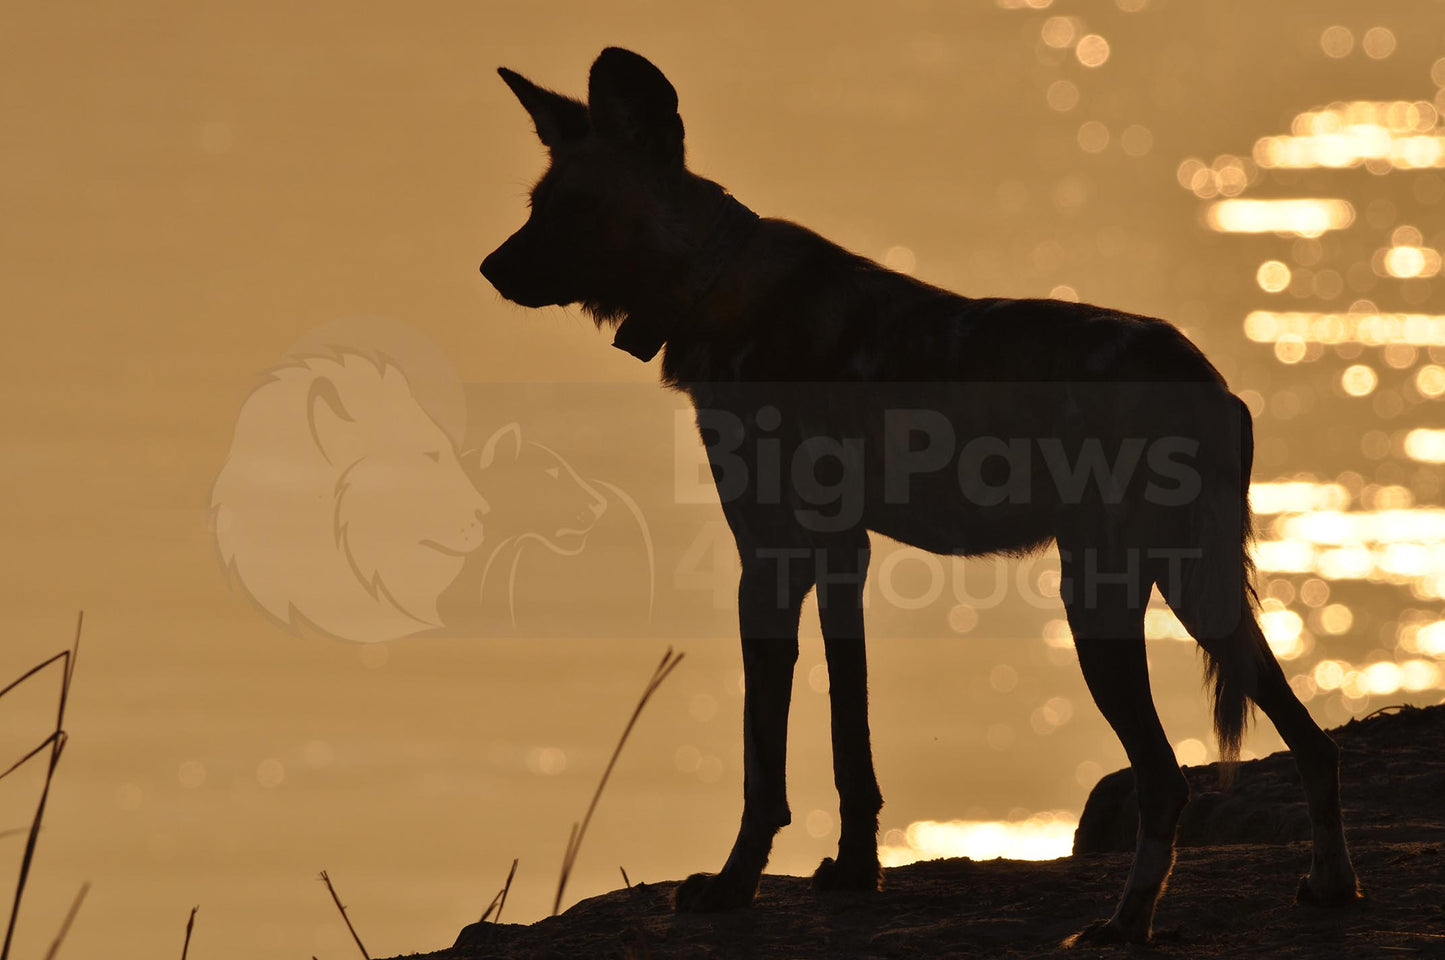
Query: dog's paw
856	875
1316	893
711	893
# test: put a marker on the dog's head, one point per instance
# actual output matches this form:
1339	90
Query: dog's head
603	214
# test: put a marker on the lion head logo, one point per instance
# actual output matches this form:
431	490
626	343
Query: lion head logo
343	506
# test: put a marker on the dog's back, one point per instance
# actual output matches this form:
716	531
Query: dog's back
794	306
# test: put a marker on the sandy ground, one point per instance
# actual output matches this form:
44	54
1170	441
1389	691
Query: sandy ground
1232	892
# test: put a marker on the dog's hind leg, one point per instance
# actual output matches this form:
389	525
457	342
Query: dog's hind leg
1212	598
1331	879
1105	594
844	567
770	596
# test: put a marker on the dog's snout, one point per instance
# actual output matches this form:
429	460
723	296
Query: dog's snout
519	273
492	265
508	268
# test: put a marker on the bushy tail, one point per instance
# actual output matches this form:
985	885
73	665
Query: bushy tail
1219	600
1230	676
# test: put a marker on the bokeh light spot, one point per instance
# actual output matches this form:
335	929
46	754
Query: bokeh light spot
1272	276
1058	32
546	761
1190	752
1337	41
1378	42
962	618
1288	349
1092	51
901	259
819	823
1062	96
1336	619
1003	678
687	758
1430	381
1093	137
1137	140
1359	380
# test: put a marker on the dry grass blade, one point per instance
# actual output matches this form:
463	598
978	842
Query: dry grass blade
190	925
62	655
327	880
574	843
69	919
496	899
48	741
625	882
69	672
567	857
56	742
505	888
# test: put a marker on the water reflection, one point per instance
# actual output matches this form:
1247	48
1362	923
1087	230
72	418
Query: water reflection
1301	217
1360	325
1379	135
1042	836
1381	678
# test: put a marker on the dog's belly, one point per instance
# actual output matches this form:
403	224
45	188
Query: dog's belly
952	525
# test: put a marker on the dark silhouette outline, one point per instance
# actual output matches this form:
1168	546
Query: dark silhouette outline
812	364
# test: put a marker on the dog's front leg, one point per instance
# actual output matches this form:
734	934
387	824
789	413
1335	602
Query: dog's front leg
770	595
843	568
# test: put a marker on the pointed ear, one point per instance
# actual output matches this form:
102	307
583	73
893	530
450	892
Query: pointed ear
631	101
506	443
558	119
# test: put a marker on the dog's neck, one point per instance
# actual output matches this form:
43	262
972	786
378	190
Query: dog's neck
644	331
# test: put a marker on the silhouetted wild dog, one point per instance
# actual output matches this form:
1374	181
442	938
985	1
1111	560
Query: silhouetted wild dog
837	397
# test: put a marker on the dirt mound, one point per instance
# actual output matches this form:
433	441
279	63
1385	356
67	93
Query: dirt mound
1226	900
1392	783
